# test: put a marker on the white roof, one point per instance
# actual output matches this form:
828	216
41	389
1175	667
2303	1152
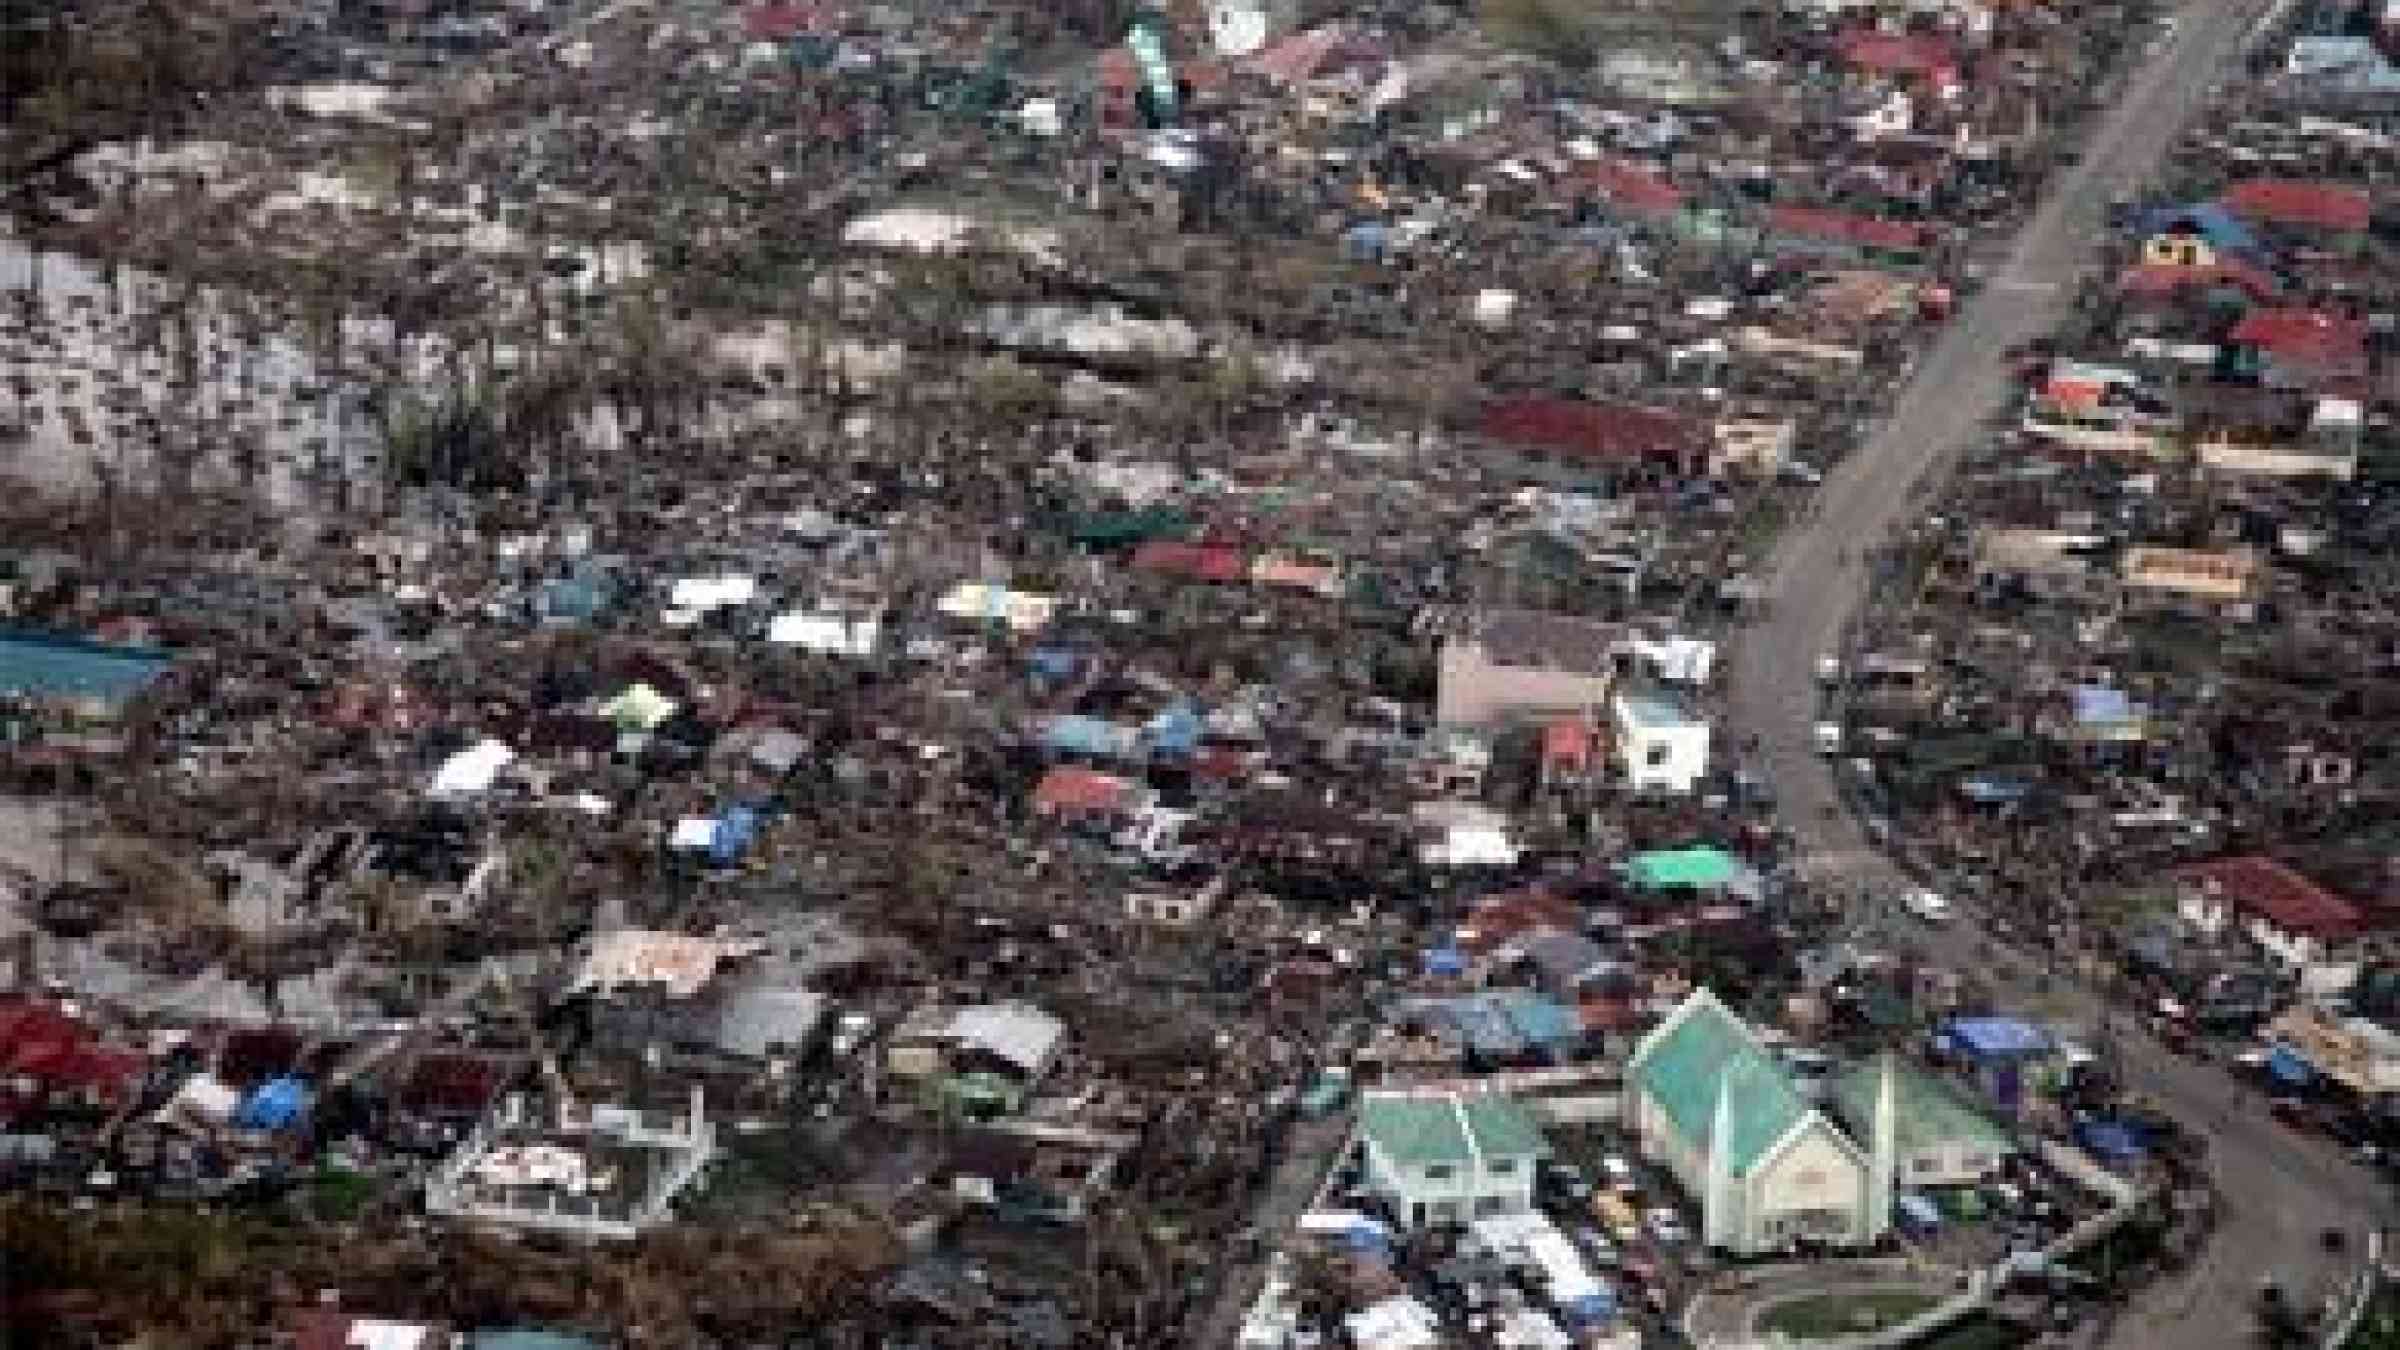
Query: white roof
1533	1234
1017	1032
1531	1329
826	634
1397	1323
366	1333
207	1095
711	592
1021	610
472	769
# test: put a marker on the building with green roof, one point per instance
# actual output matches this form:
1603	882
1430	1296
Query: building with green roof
1938	1137
1448	1156
1722	1114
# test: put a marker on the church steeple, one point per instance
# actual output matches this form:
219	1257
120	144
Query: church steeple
1717	1205
1884	1163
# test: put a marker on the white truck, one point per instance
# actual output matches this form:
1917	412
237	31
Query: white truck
1827	737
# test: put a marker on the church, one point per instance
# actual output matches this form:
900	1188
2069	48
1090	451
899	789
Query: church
1711	1104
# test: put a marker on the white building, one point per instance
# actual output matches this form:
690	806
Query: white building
1711	1104
1659	746
1448	1157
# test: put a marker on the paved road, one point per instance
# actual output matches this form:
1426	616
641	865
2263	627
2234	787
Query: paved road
2280	1190
1308	1154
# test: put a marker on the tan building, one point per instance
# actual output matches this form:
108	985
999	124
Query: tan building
2220	582
1501	666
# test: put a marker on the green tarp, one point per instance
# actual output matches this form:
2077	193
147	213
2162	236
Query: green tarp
1694	868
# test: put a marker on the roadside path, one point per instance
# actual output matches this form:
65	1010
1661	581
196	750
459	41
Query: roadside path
2280	1190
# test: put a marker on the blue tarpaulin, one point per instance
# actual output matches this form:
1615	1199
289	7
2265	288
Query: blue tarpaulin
1368	239
1501	1022
2288	1067
275	1104
1367	1240
1053	663
2115	1142
2096	705
1175	731
1588	1309
1997	1038
1445	961
1917	1214
1077	735
735	831
1993	789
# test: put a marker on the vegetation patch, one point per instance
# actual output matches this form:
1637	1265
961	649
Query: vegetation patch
1825	1317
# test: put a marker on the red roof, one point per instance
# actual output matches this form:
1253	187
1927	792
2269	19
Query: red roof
2157	279
1067	788
776	23
1633	190
1200	562
1844	227
1502	917
2309	335
1594	430
1220	763
40	1042
2306	203
1567	741
2271	891
1899	53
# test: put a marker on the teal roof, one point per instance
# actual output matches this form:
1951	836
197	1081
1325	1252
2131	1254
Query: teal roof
1699	868
1415	1131
1707	1045
46	665
528	1339
1931	1113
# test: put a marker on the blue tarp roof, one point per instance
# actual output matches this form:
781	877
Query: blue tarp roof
1445	961
2289	1066
1585	1309
2210	220
273	1105
1994	788
1918	1210
1503	1022
528	1339
51	665
736	829
1054	663
1081	735
2099	706
1997	1037
1176	731
2109	1140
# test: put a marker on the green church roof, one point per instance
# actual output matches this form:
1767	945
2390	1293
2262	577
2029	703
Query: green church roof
1930	1114
1704	1046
